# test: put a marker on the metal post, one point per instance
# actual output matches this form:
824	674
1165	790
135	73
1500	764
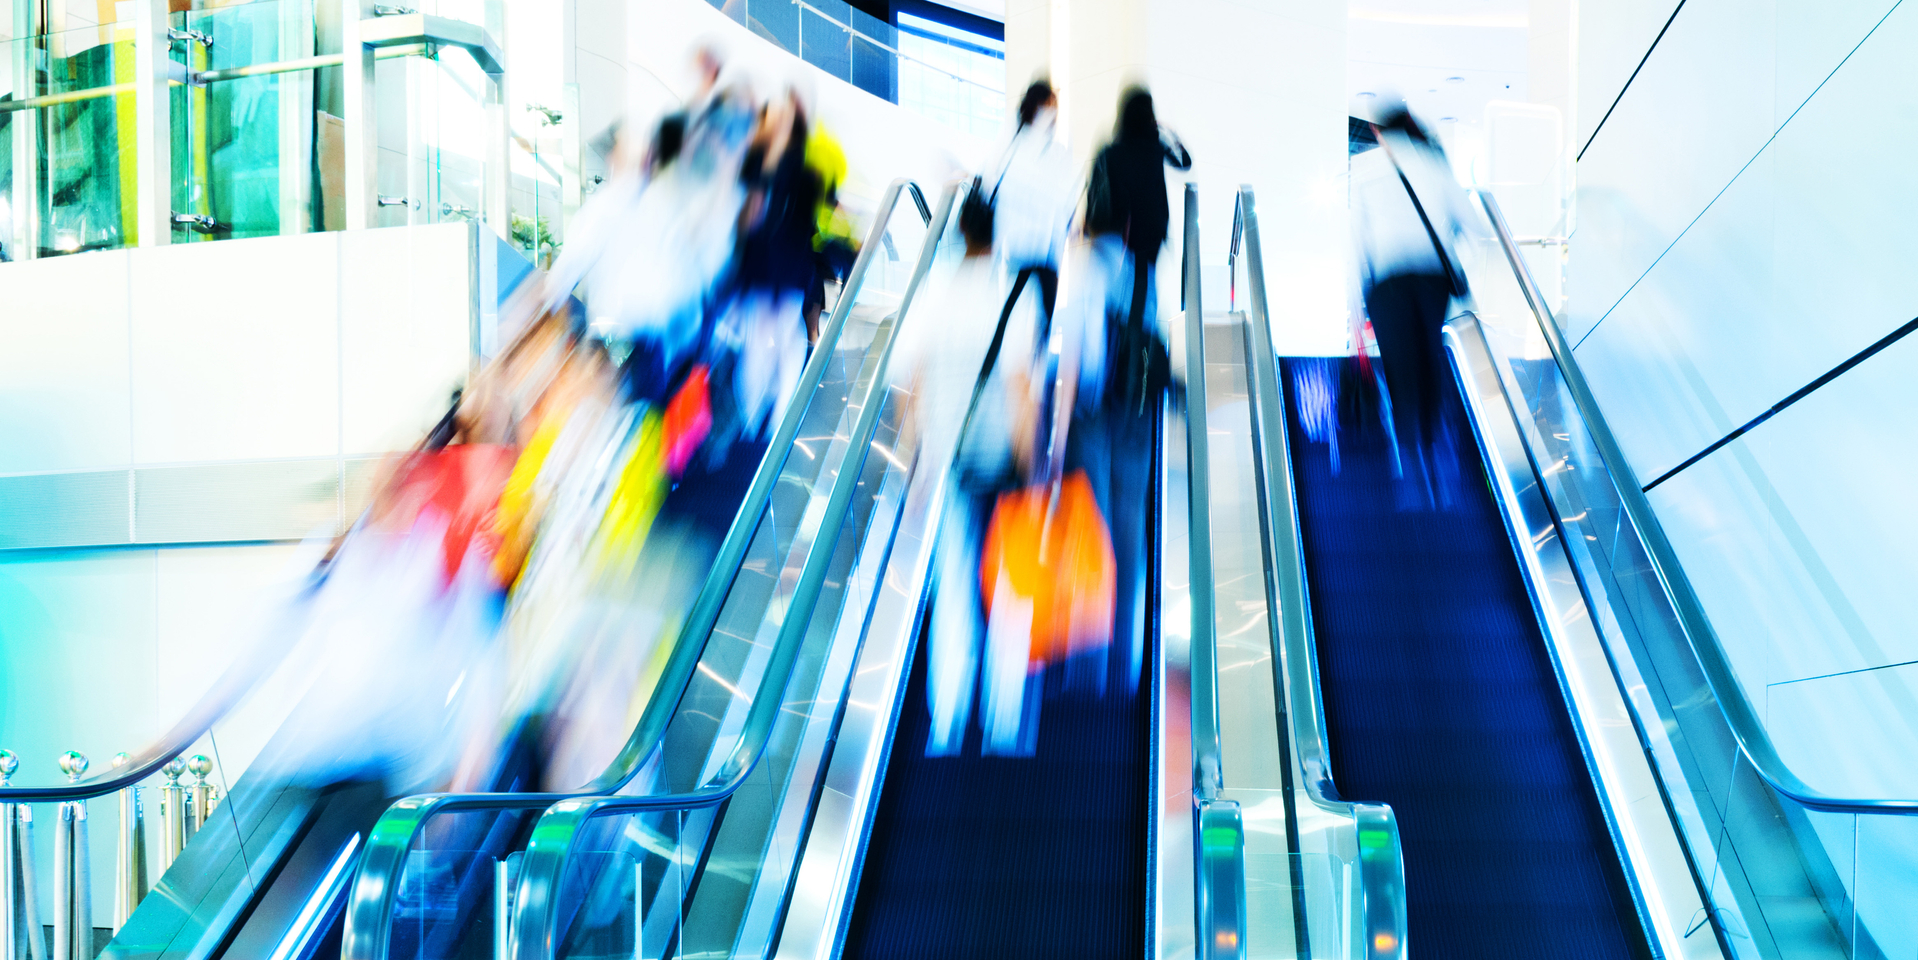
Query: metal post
29	903
202	802
361	130
72	900
9	864
152	125
494	205
130	855
25	140
172	814
505	875
296	119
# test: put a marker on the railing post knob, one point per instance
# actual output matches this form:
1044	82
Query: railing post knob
173	826
72	891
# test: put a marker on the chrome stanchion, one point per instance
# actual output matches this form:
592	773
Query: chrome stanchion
20	908
72	900
201	803
172	814
130	859
9	865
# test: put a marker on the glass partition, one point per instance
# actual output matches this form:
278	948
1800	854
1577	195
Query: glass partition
66	167
1782	879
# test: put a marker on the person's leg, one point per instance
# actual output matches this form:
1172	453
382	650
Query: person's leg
1395	321
953	636
1131	440
1049	291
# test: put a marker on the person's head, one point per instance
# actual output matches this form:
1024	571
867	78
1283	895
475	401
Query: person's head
1038	97
1136	118
1397	119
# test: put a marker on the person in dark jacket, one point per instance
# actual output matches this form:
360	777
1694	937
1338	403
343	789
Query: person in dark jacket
1127	216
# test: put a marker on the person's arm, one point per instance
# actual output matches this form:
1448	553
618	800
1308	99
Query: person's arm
1176	156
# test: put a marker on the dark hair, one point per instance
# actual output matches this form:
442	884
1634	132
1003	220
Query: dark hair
1037	95
1137	121
1400	120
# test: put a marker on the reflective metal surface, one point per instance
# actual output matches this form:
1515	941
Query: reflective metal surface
1664	887
1740	714
1332	833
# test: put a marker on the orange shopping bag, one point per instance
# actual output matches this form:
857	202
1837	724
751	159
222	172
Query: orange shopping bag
1059	556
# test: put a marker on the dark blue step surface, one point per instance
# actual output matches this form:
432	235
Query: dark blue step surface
1441	700
1043	856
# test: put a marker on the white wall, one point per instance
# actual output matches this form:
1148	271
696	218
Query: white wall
320	345
1743	227
315	348
1257	93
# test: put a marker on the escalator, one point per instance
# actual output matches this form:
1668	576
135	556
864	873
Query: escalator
1440	697
271	873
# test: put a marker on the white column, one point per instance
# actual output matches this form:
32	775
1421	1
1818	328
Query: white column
152	124
361	122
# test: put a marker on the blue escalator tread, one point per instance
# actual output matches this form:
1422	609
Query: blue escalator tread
1045	856
1440	699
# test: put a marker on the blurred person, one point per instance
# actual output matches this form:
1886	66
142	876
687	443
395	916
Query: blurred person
1034	200
1127	219
940	387
1408	210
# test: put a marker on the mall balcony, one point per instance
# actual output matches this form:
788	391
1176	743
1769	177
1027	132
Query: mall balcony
538	479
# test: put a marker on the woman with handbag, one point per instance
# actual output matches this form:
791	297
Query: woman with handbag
1127	217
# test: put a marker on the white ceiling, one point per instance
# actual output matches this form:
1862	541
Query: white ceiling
1445	58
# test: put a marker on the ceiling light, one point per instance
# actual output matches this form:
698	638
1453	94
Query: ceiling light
1454	79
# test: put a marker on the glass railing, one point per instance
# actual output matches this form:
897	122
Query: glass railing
1786	869
257	132
66	167
709	718
702	864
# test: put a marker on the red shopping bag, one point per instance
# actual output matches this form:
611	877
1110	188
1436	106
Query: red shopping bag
461	483
1059	556
689	417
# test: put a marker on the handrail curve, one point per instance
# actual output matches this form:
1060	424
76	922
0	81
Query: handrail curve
369	914
1753	739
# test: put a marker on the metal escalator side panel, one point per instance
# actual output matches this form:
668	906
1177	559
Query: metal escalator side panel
1362	835
214	880
1663	879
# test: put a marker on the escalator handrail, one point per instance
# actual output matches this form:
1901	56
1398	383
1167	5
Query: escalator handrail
535	913
1381	866
1706	646
226	693
369	915
1219	882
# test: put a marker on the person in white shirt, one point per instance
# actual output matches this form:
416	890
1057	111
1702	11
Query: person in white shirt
1033	199
1408	209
